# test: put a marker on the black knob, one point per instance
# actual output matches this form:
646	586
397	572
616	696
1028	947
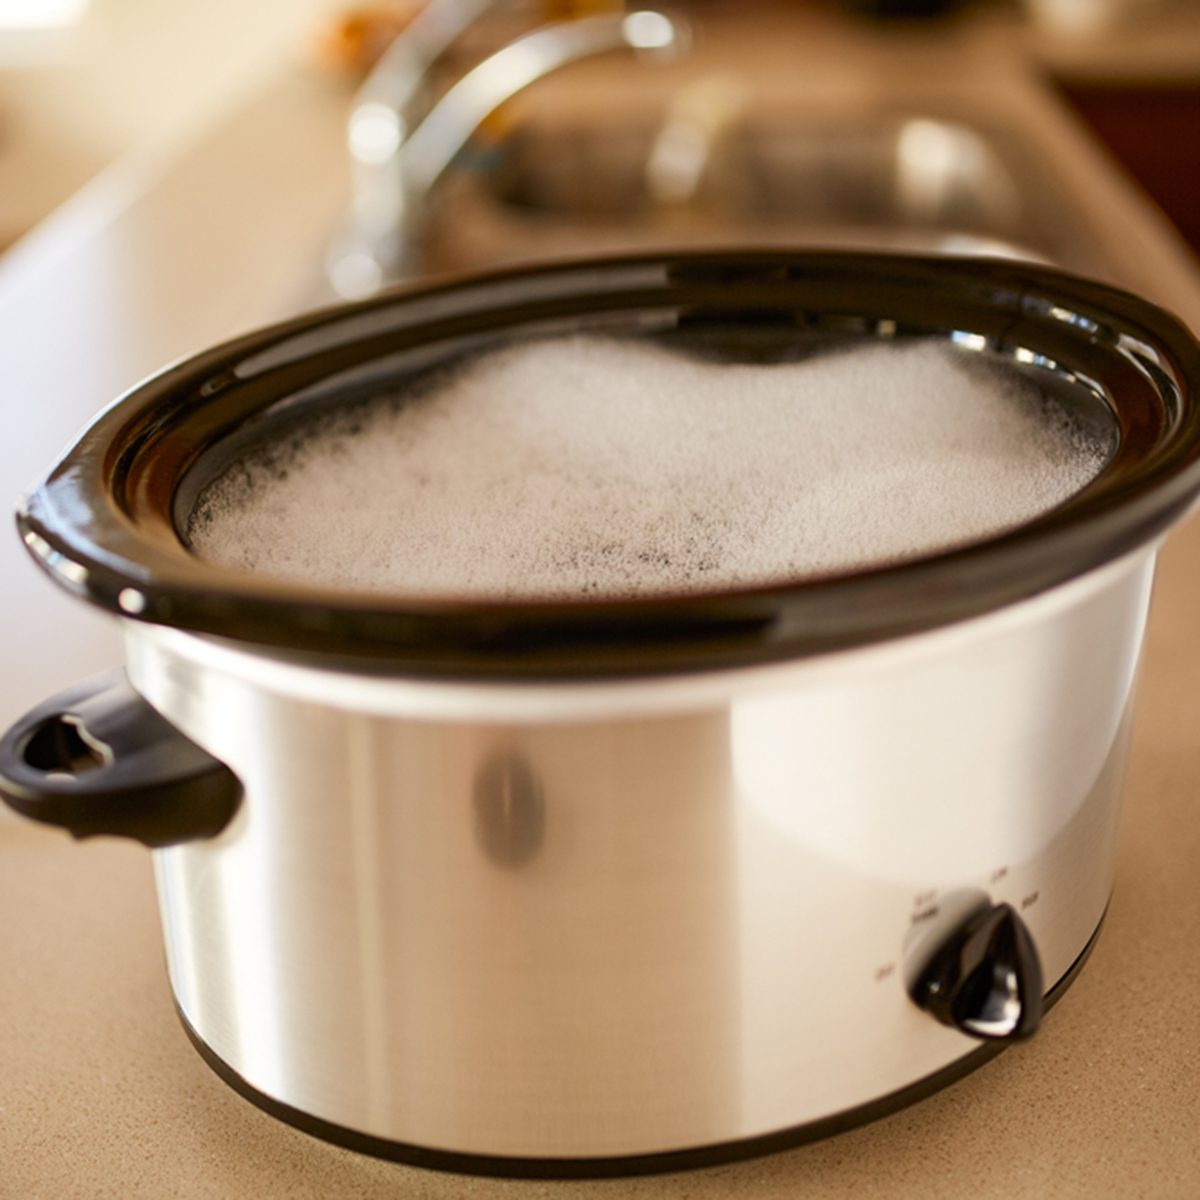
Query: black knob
985	978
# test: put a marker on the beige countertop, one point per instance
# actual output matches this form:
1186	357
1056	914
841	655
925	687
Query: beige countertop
100	1092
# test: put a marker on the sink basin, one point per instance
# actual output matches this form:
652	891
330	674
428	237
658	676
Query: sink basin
918	180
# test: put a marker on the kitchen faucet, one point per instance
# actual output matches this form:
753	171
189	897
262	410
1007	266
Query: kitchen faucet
397	166
382	109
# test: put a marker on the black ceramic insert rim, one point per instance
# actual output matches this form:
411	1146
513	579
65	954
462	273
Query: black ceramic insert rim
103	523
616	1166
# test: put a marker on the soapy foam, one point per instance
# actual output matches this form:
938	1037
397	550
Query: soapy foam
584	466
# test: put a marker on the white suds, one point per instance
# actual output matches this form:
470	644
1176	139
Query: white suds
593	467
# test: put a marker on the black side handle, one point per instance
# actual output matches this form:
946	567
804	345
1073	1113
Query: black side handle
98	759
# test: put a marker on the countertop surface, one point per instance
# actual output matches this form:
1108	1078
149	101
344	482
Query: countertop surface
101	1093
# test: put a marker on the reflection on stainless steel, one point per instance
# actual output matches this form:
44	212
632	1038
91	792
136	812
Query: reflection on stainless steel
396	167
937	160
510	809
710	936
726	175
697	120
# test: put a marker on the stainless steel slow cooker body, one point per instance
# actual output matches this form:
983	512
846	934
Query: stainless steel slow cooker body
589	887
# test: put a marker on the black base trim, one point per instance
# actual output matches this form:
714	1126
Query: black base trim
634	1164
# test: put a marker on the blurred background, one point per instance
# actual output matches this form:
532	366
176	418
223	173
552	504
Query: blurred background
172	175
84	83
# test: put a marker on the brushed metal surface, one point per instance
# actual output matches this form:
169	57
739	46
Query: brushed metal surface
945	178
616	918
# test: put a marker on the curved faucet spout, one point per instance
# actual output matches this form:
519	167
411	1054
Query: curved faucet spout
394	178
433	145
380	116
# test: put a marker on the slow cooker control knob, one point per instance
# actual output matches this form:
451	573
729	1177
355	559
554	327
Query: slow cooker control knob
985	977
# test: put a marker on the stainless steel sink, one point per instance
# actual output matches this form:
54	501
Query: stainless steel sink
914	180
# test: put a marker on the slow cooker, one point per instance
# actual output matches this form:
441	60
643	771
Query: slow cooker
597	886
